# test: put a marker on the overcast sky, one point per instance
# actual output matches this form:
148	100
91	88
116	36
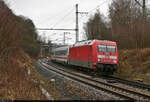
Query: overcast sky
58	14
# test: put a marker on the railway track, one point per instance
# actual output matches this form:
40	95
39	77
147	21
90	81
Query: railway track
126	82
111	89
131	83
123	81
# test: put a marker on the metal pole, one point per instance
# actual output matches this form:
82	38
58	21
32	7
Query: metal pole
64	37
77	28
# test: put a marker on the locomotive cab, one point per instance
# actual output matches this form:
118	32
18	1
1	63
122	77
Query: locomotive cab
107	58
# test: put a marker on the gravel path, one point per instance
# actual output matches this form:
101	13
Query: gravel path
72	90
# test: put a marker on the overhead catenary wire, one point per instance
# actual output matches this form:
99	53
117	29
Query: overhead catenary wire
69	23
70	10
90	11
63	17
97	6
81	17
68	13
57	15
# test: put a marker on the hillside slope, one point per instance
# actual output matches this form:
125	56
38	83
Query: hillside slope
15	83
135	64
16	72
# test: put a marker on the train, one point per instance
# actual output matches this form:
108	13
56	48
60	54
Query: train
100	56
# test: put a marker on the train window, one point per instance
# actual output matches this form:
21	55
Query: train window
111	48
102	48
105	48
61	53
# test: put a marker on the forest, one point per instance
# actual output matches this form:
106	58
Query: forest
128	24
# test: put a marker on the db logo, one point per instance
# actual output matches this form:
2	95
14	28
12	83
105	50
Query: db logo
107	56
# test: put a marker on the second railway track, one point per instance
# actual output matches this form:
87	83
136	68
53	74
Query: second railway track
131	83
134	84
111	89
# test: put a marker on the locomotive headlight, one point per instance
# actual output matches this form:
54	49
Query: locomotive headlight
113	57
115	61
99	60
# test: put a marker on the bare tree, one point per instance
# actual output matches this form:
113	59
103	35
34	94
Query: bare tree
96	28
126	17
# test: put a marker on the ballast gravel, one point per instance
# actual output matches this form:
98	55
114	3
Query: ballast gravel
70	89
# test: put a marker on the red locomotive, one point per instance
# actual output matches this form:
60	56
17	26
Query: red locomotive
97	55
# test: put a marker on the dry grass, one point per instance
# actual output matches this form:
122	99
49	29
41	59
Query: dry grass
15	83
42	81
135	64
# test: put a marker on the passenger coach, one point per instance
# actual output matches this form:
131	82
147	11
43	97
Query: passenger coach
60	54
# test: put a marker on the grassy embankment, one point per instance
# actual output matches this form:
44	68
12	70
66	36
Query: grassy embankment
16	44
18	83
135	64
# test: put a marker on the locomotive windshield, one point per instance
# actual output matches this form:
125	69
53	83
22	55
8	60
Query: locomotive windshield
106	48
